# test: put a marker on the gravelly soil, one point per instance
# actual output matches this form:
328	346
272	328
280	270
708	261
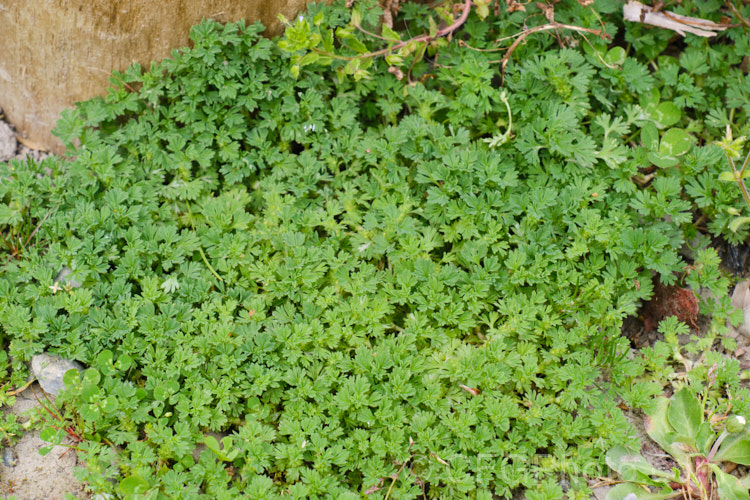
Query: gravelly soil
33	477
11	148
36	477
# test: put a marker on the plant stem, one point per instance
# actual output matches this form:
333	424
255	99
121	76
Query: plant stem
715	447
744	164
738	178
418	39
209	265
737	14
545	27
393	483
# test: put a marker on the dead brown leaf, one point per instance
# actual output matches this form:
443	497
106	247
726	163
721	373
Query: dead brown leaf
31	144
639	13
548	11
514	6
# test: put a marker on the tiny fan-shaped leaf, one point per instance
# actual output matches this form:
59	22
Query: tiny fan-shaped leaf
9	216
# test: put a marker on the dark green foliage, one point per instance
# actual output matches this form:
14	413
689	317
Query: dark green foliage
346	278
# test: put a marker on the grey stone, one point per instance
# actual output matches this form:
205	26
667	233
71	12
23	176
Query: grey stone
8	143
9	457
63	277
601	492
49	369
741	301
25	153
686	250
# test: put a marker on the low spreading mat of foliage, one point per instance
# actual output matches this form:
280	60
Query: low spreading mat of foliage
373	287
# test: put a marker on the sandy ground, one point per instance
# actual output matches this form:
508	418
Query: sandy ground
36	477
33	477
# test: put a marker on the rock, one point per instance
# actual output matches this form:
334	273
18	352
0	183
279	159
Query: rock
600	492
9	457
8	143
49	370
24	153
741	301
62	277
687	252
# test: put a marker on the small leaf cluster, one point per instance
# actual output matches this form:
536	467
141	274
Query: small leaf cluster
349	278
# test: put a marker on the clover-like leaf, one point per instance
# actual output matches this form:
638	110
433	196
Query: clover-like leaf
91	412
124	362
650	137
91	376
663	160
133	485
71	378
615	56
666	114
675	142
51	435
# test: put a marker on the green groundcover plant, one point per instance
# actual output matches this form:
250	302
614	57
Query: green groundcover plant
372	287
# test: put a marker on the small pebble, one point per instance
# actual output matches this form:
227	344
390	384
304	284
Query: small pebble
49	371
9	457
8	143
62	277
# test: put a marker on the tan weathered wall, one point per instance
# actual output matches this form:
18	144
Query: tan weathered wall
54	53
